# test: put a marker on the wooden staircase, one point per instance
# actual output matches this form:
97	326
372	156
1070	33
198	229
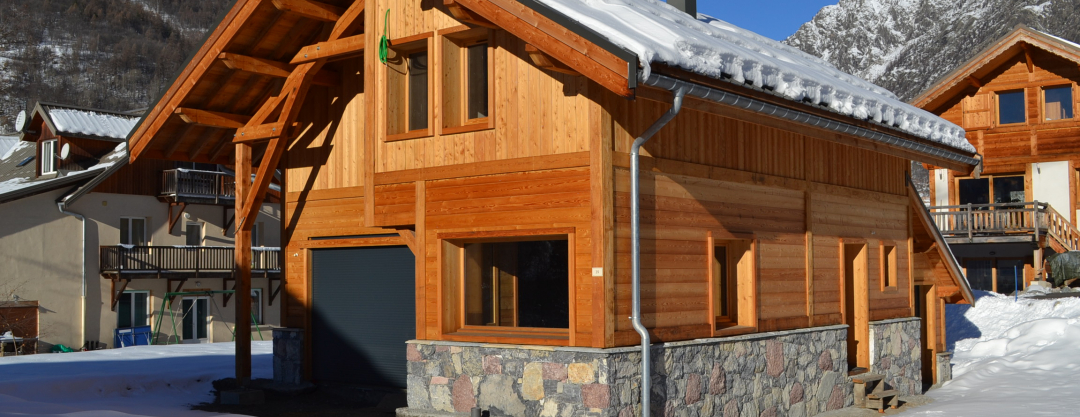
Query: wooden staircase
870	393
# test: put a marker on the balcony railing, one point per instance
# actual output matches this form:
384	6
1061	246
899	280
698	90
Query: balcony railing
989	222
202	185
183	259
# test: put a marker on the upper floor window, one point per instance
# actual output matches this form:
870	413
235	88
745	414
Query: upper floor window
133	231
408	89
48	157
193	234
1011	107
1058	103
466	81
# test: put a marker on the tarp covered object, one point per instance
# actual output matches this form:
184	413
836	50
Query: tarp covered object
1063	267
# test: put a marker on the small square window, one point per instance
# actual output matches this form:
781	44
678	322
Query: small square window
1057	103
193	234
1011	107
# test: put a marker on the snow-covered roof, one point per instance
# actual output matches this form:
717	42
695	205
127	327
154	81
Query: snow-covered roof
6	143
95	124
659	33
18	181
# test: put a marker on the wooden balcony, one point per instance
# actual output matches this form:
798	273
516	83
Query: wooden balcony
1007	222
198	187
184	262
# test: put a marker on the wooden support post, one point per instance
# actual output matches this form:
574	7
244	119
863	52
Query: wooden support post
242	252
176	218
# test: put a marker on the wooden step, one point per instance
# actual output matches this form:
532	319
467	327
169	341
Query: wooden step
867	378
882	395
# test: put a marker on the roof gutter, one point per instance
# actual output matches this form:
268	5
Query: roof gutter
801	117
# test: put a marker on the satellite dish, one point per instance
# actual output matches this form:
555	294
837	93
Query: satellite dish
20	121
65	151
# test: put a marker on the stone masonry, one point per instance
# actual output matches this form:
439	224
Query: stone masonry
791	373
896	352
289	356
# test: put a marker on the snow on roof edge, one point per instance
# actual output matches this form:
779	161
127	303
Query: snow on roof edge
660	33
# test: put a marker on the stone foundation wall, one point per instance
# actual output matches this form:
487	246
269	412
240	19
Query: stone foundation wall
896	352
289	356
794	373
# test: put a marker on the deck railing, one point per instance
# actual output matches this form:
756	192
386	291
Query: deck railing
194	183
122	258
1005	219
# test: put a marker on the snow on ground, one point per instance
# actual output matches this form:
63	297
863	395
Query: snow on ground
160	381
1011	358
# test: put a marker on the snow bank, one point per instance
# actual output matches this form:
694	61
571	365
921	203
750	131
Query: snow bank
1013	358
139	381
659	33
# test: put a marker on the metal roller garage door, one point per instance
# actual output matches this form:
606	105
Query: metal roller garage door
363	312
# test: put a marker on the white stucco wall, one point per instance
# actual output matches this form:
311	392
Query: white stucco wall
1050	183
941	187
39	260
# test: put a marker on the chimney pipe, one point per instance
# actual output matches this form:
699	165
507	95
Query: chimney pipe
687	6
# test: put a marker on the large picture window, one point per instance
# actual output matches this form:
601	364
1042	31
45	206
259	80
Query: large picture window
991	189
509	282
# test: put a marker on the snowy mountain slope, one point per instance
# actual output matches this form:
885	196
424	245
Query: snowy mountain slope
906	45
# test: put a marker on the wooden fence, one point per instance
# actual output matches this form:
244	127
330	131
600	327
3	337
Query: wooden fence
1005	219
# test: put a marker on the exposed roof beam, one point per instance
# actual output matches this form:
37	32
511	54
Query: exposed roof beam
177	141
349	21
205	141
273	68
330	49
263	132
1027	57
545	61
310	9
209	118
974	81
465	15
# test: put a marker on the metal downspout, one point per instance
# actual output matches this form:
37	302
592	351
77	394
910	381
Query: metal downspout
635	232
82	298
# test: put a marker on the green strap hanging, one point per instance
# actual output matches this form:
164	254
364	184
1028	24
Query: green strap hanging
384	42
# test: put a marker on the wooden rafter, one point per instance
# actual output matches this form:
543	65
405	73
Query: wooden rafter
465	15
249	199
207	139
273	68
177	141
211	118
545	61
310	9
340	48
974	81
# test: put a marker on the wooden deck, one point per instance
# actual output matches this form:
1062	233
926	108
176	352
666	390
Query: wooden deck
132	262
198	187
1007	222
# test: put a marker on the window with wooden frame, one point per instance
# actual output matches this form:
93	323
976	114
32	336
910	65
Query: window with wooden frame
731	267
1011	107
515	283
408	92
466	80
889	277
48	157
1057	103
991	189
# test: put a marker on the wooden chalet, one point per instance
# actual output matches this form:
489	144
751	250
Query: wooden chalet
1016	99
470	185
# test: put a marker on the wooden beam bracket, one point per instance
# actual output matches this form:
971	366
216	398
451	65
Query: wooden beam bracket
117	292
545	61
464	15
260	133
225	287
274	291
174	219
341	48
169	287
208	118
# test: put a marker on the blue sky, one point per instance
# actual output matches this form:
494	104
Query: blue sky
776	19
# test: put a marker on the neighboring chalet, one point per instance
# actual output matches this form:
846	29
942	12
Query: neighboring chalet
458	216
95	243
1017	100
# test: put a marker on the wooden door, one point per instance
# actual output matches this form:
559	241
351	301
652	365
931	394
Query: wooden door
856	303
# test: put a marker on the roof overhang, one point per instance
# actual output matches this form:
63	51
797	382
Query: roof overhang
989	59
